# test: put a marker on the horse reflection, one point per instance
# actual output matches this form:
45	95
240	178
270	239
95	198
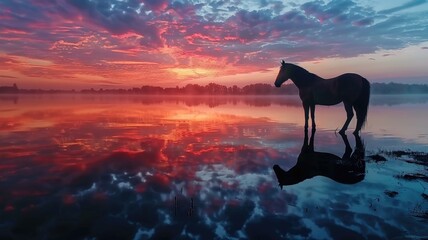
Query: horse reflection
348	169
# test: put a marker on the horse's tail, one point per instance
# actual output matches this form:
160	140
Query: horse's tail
363	100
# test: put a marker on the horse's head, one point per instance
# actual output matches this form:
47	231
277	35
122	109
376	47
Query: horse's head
283	75
293	176
284	178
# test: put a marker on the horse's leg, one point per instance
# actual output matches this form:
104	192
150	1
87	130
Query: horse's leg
313	117
359	121
349	115
306	109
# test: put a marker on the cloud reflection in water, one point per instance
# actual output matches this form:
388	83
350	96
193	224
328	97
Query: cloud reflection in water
90	169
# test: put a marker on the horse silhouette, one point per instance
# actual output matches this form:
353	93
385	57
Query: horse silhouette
350	88
348	169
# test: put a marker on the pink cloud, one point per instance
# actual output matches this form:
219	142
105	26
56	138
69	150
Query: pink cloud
89	37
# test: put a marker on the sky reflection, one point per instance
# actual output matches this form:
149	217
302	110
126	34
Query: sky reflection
137	168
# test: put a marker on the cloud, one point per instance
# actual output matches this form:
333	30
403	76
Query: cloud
410	4
130	62
155	5
363	22
121	17
6	76
232	36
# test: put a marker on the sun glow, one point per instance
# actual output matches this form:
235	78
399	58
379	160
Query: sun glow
192	72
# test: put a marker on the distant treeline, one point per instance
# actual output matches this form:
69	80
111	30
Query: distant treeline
398	88
217	89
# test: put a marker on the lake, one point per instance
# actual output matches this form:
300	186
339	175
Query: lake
199	167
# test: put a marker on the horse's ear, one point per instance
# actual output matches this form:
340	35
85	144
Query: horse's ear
282	63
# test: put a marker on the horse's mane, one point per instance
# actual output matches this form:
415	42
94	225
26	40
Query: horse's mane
300	74
295	67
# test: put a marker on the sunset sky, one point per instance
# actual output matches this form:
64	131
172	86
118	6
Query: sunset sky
67	44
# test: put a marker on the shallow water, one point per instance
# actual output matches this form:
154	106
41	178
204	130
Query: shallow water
138	167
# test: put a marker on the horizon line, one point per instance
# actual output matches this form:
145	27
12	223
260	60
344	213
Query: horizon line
180	87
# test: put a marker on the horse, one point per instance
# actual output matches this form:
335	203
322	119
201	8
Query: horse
350	88
348	169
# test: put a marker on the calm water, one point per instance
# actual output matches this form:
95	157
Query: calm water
130	167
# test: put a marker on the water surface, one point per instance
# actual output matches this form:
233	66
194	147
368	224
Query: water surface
139	167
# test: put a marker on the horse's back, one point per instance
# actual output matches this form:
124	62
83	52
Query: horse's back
349	86
349	79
